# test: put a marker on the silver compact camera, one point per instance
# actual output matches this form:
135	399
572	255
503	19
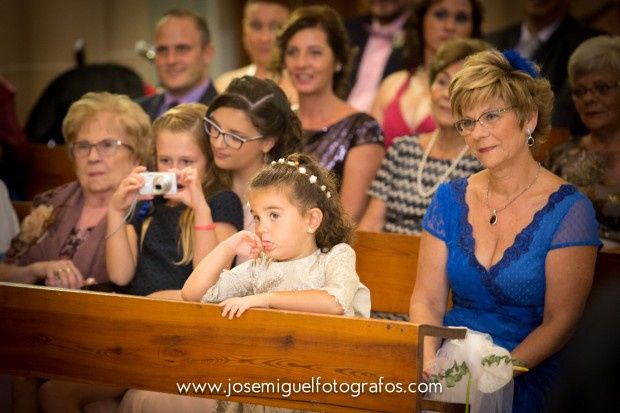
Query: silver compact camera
159	183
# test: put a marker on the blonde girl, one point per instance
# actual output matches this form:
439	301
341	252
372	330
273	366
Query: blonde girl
170	236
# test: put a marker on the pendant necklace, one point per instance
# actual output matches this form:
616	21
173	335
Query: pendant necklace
455	162
493	218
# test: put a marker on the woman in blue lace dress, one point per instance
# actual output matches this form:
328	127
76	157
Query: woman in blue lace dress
515	244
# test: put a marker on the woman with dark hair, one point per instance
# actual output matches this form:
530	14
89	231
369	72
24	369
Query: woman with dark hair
249	125
314	48
402	105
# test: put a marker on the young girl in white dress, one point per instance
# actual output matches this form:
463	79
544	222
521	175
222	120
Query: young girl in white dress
300	260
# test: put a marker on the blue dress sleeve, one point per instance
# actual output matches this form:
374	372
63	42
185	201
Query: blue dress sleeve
578	227
435	218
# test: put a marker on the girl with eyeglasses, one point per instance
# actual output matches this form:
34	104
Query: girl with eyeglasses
249	124
592	162
403	103
170	234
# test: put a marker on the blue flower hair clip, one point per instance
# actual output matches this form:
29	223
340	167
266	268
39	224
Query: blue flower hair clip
521	63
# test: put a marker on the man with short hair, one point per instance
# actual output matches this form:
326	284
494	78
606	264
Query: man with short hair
548	35
183	51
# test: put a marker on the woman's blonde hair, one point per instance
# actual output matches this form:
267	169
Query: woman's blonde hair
130	116
489	75
309	185
188	118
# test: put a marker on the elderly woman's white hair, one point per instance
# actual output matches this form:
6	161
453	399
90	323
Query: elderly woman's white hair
600	52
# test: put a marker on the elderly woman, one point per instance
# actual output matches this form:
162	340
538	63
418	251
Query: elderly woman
593	162
514	243
402	104
314	48
415	166
62	242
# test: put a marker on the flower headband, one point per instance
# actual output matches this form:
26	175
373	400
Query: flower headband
302	170
518	62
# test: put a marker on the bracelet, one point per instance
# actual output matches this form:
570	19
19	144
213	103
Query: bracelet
207	227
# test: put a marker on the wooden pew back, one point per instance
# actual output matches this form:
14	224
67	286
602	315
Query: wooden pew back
49	168
387	265
152	344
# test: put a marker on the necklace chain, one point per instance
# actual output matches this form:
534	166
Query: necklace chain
446	174
493	218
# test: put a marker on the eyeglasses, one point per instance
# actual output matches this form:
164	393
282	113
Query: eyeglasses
598	89
230	139
105	147
488	118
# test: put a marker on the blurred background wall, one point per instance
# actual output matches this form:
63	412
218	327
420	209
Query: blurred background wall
37	36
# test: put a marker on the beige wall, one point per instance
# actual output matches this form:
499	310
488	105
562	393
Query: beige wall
37	36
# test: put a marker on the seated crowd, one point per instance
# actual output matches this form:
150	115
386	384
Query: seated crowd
268	171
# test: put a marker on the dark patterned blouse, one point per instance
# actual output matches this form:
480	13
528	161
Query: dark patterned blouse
589	171
331	144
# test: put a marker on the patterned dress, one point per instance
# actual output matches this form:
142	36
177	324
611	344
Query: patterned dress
395	183
588	170
331	145
507	300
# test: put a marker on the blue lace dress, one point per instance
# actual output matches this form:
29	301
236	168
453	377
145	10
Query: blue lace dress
507	301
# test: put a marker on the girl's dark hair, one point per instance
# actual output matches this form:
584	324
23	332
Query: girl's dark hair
327	19
413	49
269	110
295	173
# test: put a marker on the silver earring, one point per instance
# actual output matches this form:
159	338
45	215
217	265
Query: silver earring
530	138
338	67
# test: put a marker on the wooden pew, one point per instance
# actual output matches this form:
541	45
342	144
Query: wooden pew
387	264
49	168
153	344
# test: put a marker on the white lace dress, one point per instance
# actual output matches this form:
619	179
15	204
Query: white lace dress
333	272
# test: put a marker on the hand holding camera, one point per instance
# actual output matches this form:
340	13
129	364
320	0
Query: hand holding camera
158	183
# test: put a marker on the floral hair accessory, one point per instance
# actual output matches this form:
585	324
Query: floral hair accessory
34	226
521	63
302	170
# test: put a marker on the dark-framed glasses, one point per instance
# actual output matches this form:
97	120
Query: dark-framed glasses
466	126
230	139
105	147
598	89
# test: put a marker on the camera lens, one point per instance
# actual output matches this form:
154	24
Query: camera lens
161	185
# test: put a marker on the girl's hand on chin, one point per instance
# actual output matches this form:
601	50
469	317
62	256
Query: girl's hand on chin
241	241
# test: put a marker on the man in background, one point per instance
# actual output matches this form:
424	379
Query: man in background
548	35
378	38
183	51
